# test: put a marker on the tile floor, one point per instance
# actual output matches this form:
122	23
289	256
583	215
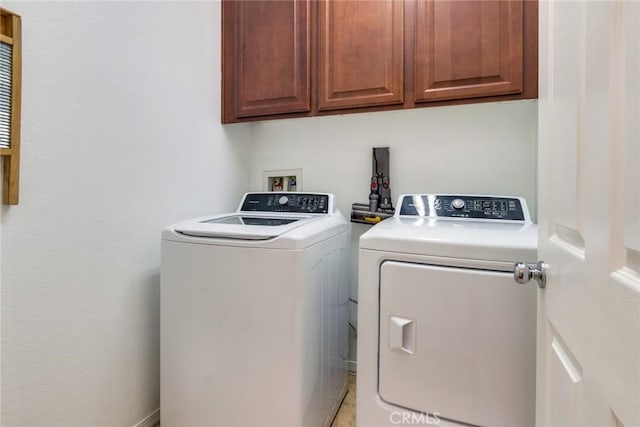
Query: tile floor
347	413
346	416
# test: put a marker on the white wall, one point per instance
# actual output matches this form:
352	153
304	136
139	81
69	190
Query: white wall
120	137
482	148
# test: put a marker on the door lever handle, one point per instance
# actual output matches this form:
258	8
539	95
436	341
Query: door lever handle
523	272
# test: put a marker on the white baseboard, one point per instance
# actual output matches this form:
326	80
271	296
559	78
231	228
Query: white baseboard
353	366
150	420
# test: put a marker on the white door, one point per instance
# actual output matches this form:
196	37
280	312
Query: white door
589	210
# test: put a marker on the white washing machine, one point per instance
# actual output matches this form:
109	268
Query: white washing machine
445	334
254	315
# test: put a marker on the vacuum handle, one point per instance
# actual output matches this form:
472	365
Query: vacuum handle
374	196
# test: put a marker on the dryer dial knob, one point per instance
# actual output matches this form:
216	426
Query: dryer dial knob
283	200
457	204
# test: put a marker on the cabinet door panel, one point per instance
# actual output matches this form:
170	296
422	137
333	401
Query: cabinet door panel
270	56
360	53
467	49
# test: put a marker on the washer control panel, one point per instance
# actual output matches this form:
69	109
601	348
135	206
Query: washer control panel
462	206
286	202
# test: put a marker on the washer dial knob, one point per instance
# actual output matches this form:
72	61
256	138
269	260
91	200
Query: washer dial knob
283	200
457	204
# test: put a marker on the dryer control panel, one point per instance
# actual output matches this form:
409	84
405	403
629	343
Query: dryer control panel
313	203
463	206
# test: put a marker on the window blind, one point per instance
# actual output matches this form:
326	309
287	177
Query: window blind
6	52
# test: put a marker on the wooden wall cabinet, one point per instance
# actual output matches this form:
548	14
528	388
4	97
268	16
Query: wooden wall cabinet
266	58
468	49
300	58
360	53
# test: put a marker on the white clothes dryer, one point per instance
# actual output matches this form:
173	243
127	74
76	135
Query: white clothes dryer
445	335
254	314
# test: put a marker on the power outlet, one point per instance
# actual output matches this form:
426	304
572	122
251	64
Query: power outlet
283	180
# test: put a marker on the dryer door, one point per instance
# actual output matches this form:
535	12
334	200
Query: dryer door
457	342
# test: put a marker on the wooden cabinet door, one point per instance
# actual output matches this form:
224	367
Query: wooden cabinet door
266	58
468	49
360	59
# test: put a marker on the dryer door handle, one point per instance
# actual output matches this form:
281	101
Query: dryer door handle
402	335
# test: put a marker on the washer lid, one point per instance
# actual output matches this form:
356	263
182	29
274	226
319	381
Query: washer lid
475	240
290	232
284	220
242	226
